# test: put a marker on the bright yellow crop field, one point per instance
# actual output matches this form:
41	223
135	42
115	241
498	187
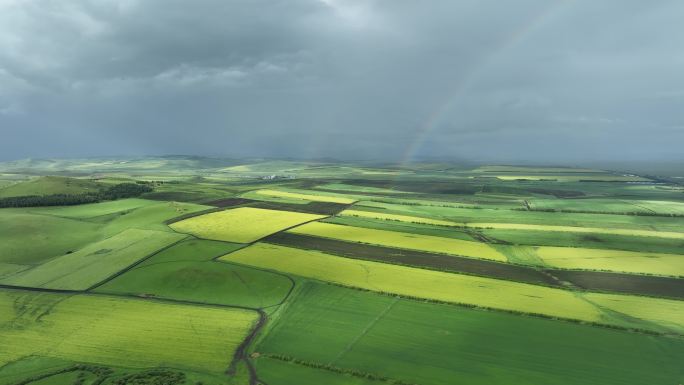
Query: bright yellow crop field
304	196
415	282
612	260
396	217
574	178
401	240
666	312
119	332
241	225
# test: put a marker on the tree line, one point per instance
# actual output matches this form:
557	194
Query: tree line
119	191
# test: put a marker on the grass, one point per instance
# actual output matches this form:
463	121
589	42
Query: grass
278	372
47	185
119	332
187	272
437	344
307	196
30	239
401	240
241	225
94	263
415	282
612	260
94	209
30	236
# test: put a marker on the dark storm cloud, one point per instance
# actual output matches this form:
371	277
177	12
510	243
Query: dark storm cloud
532	80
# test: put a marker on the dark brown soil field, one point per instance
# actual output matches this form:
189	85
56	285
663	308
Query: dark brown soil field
584	280
230	202
414	258
623	283
322	208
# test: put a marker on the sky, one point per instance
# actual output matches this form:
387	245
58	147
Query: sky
482	80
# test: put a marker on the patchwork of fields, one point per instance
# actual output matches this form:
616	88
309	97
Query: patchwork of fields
400	240
279	272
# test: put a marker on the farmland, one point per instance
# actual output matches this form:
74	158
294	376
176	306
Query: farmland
111	331
400	240
236	272
241	225
462	345
86	267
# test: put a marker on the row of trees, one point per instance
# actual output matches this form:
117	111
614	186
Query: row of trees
119	191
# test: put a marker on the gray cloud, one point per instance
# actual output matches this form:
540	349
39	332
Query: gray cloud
535	81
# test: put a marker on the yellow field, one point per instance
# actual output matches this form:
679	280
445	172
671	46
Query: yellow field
242	225
119	332
666	312
576	229
401	240
307	197
574	178
612	260
415	282
396	217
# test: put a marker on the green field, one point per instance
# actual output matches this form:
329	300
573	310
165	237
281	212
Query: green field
50	185
118	332
241	225
30	236
96	262
436	344
187	272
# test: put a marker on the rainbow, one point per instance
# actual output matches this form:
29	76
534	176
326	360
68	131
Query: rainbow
509	42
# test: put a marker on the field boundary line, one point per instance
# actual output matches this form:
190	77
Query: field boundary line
365	330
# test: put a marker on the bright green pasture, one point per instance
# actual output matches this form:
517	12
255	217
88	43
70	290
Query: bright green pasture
92	210
29	236
29	239
437	344
120	332
187	272
94	263
242	225
47	185
277	372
